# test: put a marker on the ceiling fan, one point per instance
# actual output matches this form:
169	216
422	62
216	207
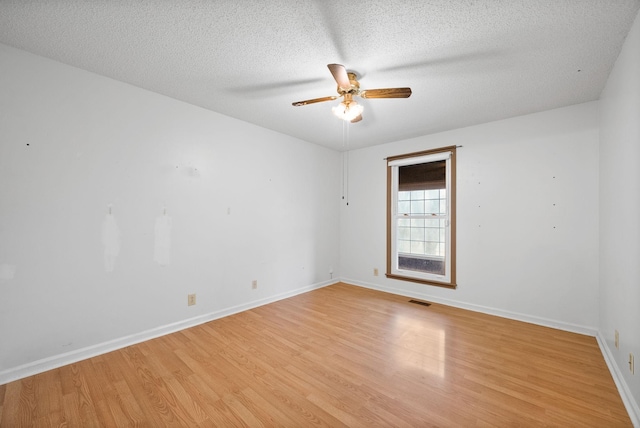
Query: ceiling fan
348	87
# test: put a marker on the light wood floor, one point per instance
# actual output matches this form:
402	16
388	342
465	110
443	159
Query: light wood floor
338	356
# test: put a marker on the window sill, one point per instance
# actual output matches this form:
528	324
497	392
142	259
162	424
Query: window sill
422	281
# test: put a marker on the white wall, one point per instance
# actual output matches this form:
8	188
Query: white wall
620	212
72	143
527	218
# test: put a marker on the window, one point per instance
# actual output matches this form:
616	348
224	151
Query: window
421	217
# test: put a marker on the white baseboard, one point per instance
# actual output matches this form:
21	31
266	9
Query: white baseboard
625	393
574	328
60	360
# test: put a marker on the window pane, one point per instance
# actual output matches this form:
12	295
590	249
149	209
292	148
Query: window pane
404	207
417	195
432	207
404	246
431	248
433	235
443	206
417	234
417	207
404	233
417	247
432	223
432	194
418	222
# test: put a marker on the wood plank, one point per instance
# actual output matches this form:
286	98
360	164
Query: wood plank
10	404
3	390
338	356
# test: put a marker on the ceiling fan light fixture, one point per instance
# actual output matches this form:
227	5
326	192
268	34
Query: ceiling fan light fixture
347	110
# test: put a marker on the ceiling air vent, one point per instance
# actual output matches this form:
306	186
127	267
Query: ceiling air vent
418	302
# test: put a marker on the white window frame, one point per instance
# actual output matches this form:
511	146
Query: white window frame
393	270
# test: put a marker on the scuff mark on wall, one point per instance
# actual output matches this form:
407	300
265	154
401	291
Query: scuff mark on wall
162	250
110	240
7	272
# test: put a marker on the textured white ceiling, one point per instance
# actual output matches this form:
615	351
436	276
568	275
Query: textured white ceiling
467	61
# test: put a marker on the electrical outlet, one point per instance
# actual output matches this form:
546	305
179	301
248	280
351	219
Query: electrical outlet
617	340
631	363
375	271
191	299
254	284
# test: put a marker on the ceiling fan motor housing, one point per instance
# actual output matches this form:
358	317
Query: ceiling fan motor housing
355	85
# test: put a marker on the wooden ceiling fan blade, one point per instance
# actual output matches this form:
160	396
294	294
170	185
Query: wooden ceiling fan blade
358	118
315	100
386	93
340	75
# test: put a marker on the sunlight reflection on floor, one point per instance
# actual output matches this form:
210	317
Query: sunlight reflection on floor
420	345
